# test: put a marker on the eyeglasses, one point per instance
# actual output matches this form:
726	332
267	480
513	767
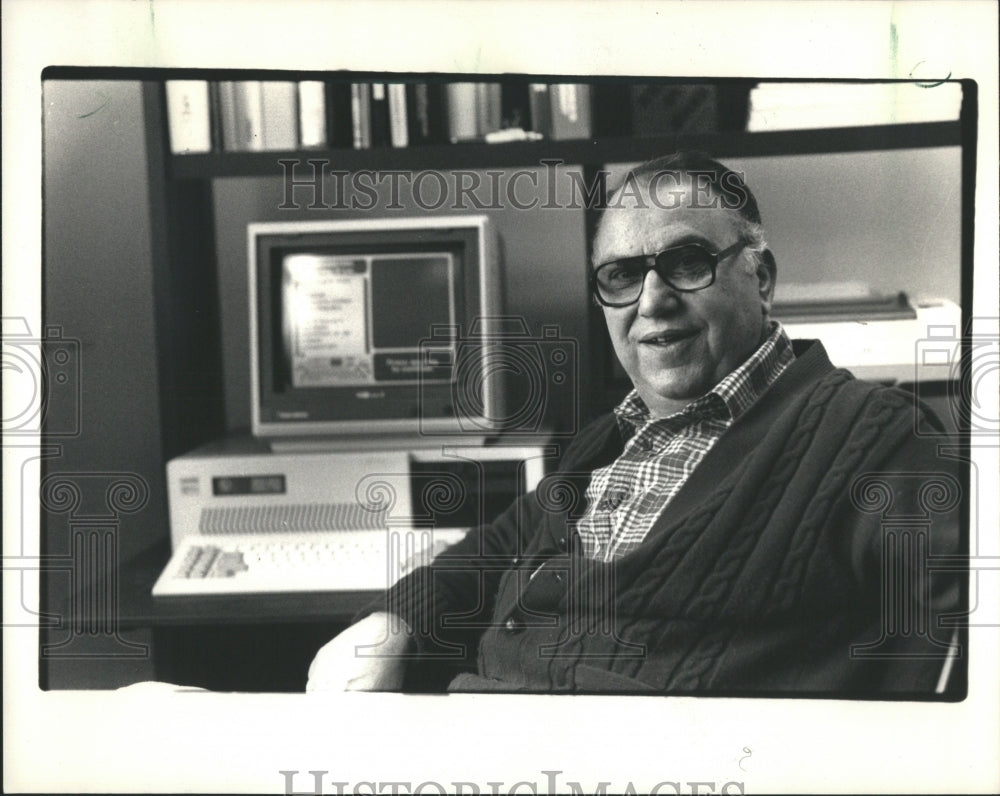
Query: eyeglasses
684	268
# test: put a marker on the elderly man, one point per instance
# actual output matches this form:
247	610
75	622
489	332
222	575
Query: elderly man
724	530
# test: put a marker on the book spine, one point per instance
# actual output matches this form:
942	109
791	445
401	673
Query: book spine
437	113
312	114
379	115
489	108
541	109
462	123
361	115
215	110
339	116
188	116
249	116
227	116
514	105
279	112
417	118
427	111
399	134
570	111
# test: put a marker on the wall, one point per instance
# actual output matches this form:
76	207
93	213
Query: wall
98	289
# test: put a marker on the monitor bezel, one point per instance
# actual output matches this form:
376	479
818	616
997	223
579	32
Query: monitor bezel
487	292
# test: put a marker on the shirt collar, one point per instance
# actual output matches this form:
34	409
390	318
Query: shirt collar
733	395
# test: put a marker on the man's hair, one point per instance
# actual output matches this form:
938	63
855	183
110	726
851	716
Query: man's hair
726	185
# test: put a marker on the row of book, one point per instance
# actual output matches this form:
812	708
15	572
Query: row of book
253	115
273	115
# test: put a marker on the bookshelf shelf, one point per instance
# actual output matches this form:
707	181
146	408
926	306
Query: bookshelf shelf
588	151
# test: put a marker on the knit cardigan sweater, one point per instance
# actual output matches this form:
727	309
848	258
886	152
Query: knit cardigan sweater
793	560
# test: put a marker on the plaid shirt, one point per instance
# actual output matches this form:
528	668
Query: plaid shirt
625	498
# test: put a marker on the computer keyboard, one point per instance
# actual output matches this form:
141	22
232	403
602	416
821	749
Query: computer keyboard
306	562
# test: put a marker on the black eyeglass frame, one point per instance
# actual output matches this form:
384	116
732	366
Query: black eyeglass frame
651	263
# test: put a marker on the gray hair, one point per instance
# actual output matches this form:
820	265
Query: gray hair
725	183
753	235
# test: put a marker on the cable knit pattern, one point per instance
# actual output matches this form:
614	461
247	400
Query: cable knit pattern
834	486
858	441
709	602
758	577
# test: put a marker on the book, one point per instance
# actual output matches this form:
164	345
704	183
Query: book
570	107
489	108
339	115
227	114
540	106
215	110
462	118
312	114
515	106
242	115
249	115
379	115
427	113
361	120
418	113
189	116
399	135
279	111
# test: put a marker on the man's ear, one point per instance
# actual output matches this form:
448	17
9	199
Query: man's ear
767	274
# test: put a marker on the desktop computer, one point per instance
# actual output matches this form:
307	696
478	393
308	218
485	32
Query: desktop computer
376	382
247	519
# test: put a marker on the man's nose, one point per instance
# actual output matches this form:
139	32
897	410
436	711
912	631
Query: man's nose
656	295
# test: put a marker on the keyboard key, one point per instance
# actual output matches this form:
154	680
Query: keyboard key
204	562
190	558
228	564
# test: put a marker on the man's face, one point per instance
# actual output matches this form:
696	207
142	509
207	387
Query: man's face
677	346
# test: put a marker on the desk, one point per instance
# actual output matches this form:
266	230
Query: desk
247	643
252	642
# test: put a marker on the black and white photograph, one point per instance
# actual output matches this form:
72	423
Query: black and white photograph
494	398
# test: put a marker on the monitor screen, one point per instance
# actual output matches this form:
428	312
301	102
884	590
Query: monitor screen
368	327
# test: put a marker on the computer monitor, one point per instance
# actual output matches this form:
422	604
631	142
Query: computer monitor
373	327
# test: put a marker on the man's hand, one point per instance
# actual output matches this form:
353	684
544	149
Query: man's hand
365	657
